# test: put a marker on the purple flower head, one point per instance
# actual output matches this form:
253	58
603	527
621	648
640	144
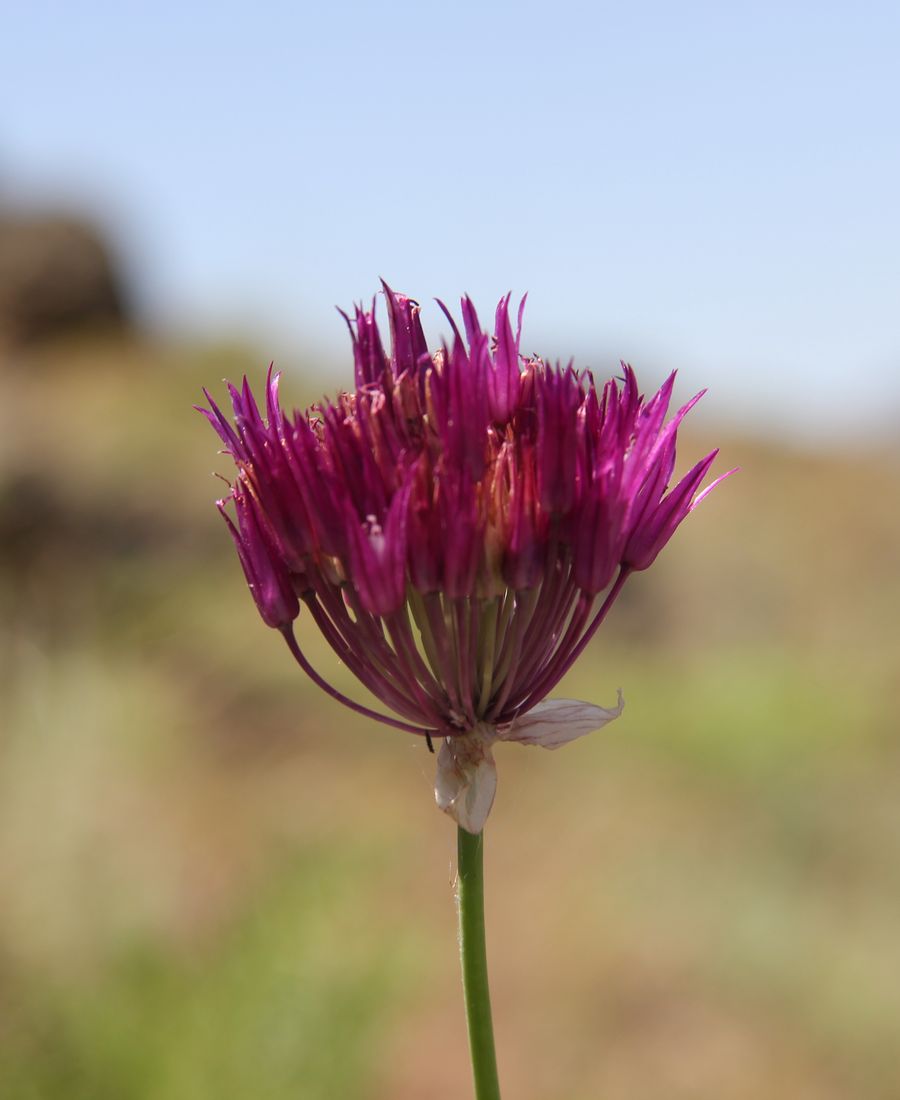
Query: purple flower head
457	527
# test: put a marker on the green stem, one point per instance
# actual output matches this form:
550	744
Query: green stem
473	955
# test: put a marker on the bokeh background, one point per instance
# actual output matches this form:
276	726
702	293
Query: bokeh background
216	884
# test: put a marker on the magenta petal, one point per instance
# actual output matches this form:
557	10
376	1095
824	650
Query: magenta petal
658	526
408	346
267	578
504	381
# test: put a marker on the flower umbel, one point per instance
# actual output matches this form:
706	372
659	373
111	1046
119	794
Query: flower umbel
458	527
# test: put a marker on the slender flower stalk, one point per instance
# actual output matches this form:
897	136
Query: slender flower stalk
457	527
473	957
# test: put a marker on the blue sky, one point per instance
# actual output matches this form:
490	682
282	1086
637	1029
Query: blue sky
712	187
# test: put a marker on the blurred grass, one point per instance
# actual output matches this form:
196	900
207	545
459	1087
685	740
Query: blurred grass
216	884
290	1002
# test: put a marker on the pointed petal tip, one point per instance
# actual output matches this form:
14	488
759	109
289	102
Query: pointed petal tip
709	488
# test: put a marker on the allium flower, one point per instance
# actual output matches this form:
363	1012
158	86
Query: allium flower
457	527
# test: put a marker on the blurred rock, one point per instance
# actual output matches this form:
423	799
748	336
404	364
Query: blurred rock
57	276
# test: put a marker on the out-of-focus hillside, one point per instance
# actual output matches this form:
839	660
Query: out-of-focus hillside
215	883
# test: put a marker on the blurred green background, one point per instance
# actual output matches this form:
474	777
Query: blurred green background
216	884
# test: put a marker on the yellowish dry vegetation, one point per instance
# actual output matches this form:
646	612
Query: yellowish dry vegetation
217	884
